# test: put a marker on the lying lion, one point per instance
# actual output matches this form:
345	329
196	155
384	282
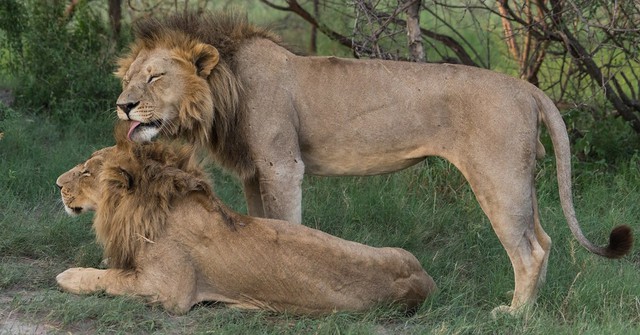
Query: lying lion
271	116
169	239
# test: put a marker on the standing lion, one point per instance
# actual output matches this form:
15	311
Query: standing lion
271	116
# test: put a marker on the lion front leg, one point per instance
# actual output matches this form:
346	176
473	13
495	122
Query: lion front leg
251	188
281	188
90	280
177	297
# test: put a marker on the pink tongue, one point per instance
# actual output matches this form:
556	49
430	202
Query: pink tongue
134	124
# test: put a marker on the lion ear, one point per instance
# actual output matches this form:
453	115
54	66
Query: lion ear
127	179
205	58
200	185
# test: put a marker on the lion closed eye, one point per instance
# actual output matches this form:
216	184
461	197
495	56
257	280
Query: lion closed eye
78	186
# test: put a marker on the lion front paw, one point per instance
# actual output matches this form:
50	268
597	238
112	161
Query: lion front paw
80	280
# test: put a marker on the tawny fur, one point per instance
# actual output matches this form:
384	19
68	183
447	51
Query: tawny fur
169	239
272	116
133	208
208	117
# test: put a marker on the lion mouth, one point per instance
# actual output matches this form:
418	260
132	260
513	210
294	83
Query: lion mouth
139	126
73	211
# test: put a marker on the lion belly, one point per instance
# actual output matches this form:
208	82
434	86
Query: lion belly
358	166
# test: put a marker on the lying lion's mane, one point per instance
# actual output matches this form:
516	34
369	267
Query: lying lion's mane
138	189
216	129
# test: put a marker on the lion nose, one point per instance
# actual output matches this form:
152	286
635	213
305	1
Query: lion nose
126	108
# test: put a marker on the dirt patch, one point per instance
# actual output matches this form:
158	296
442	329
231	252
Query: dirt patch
11	325
34	273
12	322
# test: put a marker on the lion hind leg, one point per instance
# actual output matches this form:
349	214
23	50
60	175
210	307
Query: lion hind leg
528	256
514	216
543	239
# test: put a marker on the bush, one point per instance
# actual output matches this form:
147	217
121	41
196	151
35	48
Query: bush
600	138
62	63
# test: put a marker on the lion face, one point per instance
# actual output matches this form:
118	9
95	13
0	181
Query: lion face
79	186
165	89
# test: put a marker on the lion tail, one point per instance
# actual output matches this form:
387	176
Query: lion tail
621	237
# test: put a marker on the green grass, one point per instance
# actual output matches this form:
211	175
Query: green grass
428	210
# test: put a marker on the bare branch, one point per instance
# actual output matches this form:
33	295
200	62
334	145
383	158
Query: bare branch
509	35
362	47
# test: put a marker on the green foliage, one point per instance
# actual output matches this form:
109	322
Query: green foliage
598	138
12	22
61	63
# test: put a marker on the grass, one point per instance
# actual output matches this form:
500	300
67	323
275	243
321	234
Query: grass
428	210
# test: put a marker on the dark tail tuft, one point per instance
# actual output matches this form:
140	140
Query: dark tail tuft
620	242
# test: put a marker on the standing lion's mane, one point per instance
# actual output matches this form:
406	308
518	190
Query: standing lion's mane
139	185
226	32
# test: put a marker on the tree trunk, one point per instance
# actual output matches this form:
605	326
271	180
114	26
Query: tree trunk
313	43
115	16
414	34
